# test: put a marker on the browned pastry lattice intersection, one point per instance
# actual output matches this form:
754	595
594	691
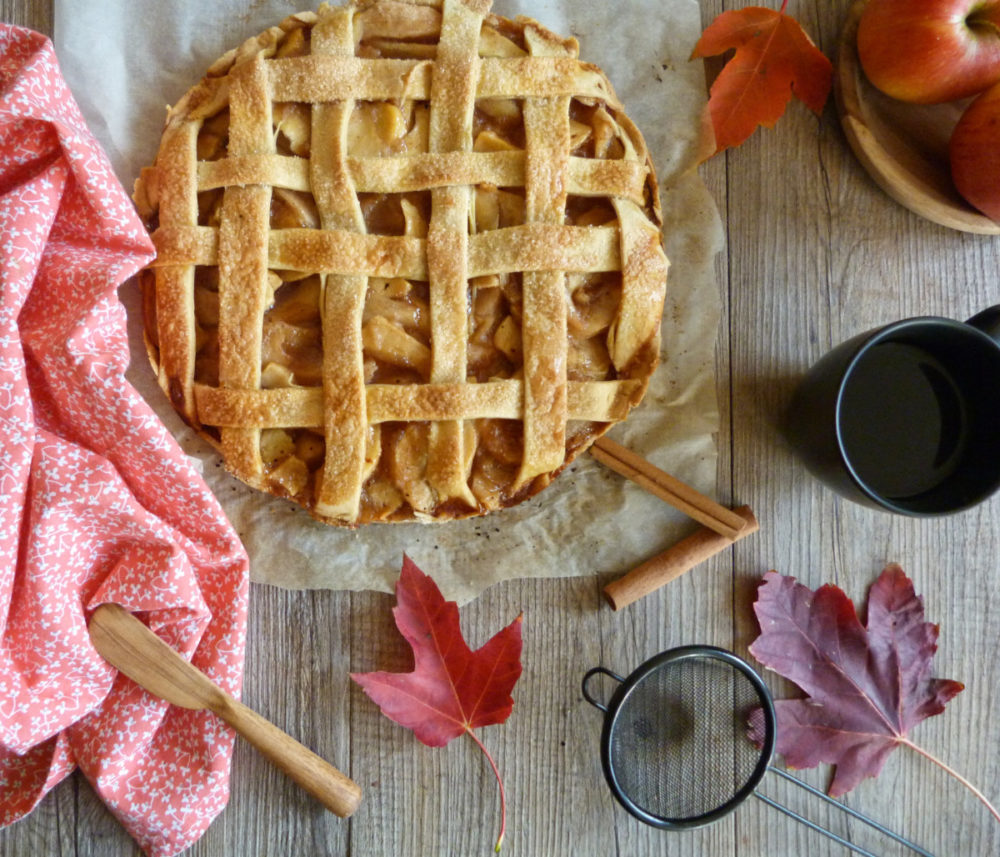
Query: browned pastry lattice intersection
408	261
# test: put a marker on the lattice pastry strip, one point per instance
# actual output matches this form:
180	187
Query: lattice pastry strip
450	130
409	259
243	269
338	487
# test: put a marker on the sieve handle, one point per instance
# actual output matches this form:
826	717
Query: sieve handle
843	808
590	674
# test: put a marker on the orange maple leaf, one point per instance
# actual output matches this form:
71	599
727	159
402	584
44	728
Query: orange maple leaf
774	60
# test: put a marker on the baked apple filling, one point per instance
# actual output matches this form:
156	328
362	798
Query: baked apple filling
400	313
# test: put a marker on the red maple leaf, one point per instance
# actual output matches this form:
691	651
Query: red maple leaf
774	59
452	690
868	686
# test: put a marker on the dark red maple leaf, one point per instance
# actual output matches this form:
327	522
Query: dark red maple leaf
774	59
451	690
867	686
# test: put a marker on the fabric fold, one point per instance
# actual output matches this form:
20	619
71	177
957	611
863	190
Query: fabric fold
97	501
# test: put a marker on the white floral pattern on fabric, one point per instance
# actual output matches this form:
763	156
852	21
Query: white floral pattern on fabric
97	502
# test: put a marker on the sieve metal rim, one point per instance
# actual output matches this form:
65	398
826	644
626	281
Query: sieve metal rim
614	706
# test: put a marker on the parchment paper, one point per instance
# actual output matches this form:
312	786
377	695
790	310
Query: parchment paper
125	60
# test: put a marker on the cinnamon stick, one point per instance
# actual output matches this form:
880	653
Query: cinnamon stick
668	488
675	561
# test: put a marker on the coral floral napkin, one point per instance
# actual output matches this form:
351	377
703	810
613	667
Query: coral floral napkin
97	503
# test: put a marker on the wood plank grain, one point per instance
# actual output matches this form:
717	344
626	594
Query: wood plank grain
815	252
36	14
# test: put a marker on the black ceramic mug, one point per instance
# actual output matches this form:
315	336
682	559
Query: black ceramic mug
906	417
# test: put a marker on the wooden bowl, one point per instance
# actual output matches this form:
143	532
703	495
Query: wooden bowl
904	147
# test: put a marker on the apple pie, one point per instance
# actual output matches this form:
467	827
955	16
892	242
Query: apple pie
409	259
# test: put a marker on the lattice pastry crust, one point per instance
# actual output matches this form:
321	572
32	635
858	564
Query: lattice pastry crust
409	259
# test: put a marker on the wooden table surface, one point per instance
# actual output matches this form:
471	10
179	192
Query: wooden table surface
815	253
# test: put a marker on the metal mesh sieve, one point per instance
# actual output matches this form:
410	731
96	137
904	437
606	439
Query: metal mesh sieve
679	744
675	745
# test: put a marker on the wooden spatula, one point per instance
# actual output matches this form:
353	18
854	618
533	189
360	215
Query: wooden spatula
125	643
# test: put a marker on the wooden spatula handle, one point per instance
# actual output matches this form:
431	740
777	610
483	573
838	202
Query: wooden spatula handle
334	790
129	645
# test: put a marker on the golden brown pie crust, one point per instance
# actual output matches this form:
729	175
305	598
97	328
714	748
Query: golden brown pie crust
409	259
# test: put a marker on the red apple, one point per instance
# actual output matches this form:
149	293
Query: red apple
930	51
974	152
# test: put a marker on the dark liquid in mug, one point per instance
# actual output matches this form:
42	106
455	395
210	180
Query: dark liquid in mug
903	423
